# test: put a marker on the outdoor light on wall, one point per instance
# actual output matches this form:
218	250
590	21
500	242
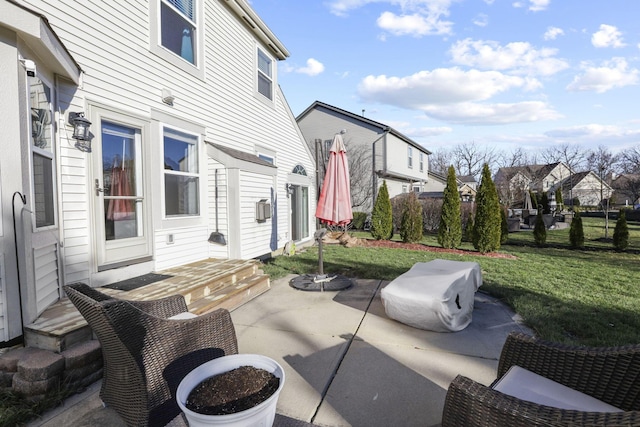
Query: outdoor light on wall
81	131
289	188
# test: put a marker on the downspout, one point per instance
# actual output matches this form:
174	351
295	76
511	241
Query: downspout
23	198
374	175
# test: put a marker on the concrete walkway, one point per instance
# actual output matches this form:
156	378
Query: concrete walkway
346	363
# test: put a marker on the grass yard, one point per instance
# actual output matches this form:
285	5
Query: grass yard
589	297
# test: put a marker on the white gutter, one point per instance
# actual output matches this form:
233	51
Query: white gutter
260	29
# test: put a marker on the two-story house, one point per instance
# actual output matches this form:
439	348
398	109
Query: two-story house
135	134
376	152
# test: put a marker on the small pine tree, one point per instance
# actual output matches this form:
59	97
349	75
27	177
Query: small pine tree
576	232
382	215
486	230
450	228
411	223
621	232
540	230
504	227
468	229
534	199
544	201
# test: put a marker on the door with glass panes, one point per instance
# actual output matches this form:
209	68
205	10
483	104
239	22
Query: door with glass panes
121	206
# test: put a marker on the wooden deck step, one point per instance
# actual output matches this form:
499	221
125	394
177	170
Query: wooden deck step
206	286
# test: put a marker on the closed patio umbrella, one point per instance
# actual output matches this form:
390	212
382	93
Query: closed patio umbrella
334	208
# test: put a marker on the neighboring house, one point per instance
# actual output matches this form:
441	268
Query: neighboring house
587	188
626	189
399	160
434	188
190	134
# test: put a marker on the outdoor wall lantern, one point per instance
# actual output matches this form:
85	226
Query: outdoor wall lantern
81	131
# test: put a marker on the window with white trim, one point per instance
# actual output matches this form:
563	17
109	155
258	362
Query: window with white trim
178	26
266	158
421	162
181	177
265	74
410	157
42	154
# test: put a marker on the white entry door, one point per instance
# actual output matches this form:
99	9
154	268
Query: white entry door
121	205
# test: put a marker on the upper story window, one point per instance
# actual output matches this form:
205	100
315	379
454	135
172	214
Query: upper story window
299	170
181	177
178	28
42	154
266	158
410	157
421	162
265	74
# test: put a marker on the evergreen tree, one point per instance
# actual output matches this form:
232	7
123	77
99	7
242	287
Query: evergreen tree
540	230
534	199
382	215
544	201
411	223
621	232
486	230
468	229
450	228
504	227
576	232
559	200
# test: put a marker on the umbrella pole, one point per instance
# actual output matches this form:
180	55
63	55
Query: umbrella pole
320	261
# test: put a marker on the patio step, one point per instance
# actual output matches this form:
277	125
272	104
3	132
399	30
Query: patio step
206	285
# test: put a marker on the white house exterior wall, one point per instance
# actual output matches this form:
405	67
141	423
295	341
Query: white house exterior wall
123	80
588	190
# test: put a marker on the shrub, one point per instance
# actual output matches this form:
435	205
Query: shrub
411	223
431	213
397	208
486	230
450	227
540	230
468	229
559	201
621	232
576	232
534	199
382	215
544	201
359	218
504	227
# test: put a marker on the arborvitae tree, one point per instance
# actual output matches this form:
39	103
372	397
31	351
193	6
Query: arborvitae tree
534	199
504	227
450	228
468	229
382	215
544	201
621	232
486	230
559	201
576	232
411	223
540	230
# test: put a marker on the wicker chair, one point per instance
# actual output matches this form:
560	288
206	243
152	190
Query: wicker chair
145	355
611	375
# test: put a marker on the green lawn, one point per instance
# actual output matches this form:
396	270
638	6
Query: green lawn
589	297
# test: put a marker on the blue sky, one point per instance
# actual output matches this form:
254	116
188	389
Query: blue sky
505	73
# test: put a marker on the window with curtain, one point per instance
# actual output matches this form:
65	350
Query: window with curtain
178	27
265	74
181	178
42	155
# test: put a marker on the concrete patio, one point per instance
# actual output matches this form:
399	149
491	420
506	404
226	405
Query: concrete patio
346	362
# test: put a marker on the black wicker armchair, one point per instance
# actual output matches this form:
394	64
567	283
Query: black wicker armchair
611	375
145	354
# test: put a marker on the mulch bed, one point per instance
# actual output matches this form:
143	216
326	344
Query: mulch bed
233	391
420	247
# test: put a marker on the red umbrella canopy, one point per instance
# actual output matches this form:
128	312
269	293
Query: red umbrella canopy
334	204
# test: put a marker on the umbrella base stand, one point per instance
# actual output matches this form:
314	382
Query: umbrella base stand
320	282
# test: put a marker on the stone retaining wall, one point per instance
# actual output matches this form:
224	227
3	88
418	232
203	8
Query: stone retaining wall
34	372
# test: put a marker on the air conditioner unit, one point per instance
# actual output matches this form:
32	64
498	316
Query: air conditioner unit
263	210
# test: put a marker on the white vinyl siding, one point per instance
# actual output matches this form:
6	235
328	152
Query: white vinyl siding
255	235
189	245
4	326
46	276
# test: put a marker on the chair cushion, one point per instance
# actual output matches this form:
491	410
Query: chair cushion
183	315
526	385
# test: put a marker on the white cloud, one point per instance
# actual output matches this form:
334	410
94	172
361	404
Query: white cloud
553	32
412	17
427	131
519	57
440	86
470	113
489	1
313	68
482	20
612	74
584	130
534	5
608	36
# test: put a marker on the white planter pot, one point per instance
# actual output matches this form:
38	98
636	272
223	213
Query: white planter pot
261	415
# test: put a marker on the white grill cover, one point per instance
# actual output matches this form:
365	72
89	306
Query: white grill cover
436	295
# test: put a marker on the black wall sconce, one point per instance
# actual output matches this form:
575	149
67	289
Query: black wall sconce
81	131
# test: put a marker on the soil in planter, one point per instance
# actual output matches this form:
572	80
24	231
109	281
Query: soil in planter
233	391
